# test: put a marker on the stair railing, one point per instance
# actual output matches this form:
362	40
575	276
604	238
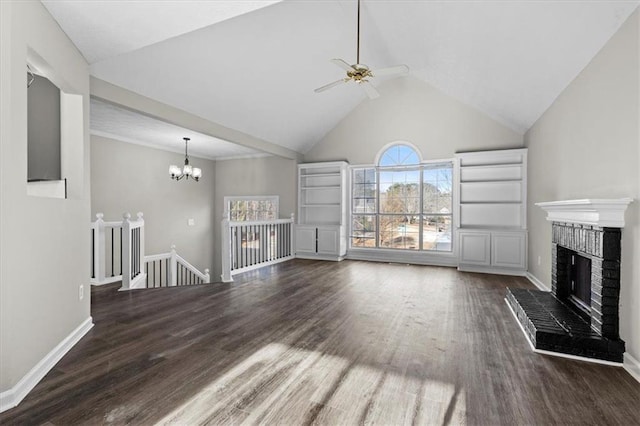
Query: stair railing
118	255
251	245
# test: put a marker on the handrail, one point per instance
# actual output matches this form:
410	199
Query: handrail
204	276
260	222
161	256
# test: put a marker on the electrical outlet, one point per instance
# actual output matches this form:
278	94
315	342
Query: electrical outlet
539	260
81	292
191	222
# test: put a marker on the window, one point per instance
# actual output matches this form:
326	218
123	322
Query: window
252	208
402	203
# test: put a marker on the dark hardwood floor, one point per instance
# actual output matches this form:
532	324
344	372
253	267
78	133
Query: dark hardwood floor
322	342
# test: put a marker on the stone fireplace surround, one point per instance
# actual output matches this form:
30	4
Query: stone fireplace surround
592	229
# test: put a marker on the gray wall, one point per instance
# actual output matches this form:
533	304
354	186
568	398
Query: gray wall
132	178
411	110
586	145
44	249
43	106
253	176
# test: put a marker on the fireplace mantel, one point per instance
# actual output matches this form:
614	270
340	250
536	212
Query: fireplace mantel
596	212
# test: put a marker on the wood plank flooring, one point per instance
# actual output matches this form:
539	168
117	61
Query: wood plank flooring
309	342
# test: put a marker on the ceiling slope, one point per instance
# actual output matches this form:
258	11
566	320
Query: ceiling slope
256	73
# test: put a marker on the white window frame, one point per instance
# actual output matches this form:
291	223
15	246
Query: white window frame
447	258
230	198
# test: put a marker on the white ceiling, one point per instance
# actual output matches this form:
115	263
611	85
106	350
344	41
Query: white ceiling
114	122
103	29
256	72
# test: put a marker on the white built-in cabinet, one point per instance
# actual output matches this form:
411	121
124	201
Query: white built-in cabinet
322	211
492	217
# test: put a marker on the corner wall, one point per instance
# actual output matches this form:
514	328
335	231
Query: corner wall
132	178
44	249
587	145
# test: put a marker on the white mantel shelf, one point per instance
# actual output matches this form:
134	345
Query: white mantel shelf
597	212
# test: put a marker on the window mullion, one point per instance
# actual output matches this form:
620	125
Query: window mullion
420	217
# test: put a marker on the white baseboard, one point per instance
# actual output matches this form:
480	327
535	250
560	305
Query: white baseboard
138	282
632	366
12	397
535	281
491	270
106	281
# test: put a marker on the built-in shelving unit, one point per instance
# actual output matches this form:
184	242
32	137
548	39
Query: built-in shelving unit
492	211
322	210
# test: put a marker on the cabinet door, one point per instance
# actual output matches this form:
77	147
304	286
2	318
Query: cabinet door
475	248
508	249
329	241
306	239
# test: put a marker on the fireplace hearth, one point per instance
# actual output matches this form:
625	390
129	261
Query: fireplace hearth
580	315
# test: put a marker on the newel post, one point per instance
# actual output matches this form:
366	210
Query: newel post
207	277
225	235
141	242
173	267
126	251
99	248
292	249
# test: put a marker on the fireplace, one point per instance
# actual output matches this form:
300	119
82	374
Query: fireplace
580	314
578	285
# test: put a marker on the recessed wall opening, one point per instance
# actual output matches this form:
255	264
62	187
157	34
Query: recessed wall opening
55	133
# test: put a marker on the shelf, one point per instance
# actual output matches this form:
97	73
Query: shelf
337	174
490	202
491	181
491	166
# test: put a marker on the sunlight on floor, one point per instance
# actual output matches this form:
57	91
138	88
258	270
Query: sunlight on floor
282	384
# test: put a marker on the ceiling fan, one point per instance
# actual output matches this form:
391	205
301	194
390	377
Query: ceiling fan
360	73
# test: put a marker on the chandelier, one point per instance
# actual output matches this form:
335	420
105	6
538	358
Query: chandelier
187	170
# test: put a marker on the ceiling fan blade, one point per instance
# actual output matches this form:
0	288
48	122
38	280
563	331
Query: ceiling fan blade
371	91
398	69
342	64
330	85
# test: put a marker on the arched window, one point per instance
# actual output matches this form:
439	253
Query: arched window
399	155
402	202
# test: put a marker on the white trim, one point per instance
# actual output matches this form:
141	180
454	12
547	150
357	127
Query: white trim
535	281
597	212
398	142
404	256
632	366
559	354
491	270
138	282
109	280
12	397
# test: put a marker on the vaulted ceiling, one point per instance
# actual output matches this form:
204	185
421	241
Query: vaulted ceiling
252	66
